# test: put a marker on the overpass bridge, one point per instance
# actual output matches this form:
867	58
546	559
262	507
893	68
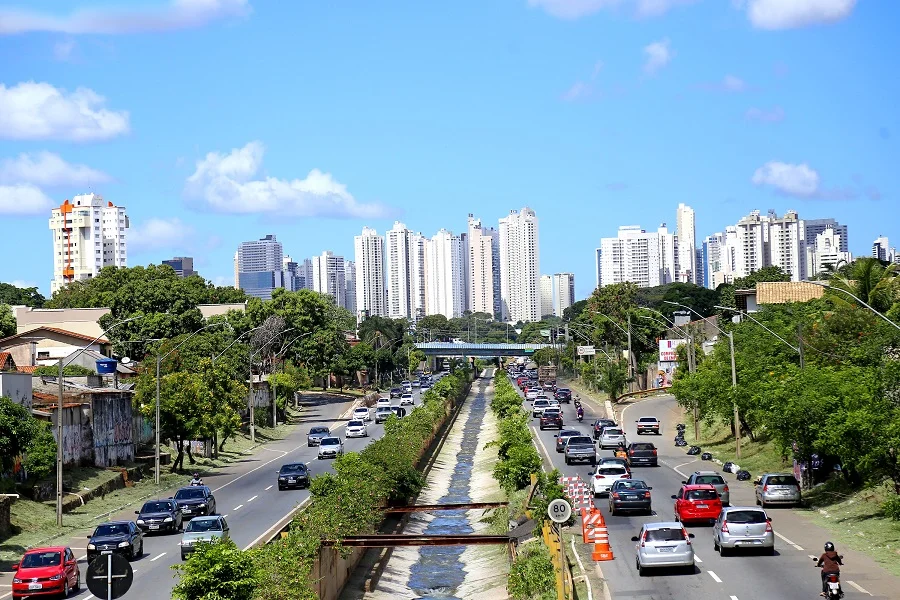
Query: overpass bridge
451	349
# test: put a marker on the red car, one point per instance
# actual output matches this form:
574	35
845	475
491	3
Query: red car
700	502
42	572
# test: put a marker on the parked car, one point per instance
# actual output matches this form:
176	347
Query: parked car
406	399
600	424
116	537
642	453
551	417
629	494
382	413
695	503
611	437
46	571
396	392
159	515
580	448
605	476
331	447
778	488
356	428
663	545
648	425
195	500
563	436
203	529
740	527
563	394
714	479
293	475
361	414
538	407
316	434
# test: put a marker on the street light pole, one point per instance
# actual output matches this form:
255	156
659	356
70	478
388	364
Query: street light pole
250	382
825	284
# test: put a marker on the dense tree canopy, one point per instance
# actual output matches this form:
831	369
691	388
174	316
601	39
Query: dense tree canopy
15	296
7	321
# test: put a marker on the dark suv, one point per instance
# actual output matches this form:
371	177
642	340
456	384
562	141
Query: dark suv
642	453
563	394
195	500
551	417
599	424
159	515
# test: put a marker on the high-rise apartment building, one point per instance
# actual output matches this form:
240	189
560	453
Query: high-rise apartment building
645	258
787	244
546	295
329	276
397	270
825	253
564	287
700	277
520	266
598	262
751	251
483	273
444	274
882	250
369	259
685	229
714	252
814	227
350	286
88	234
183	265
259	265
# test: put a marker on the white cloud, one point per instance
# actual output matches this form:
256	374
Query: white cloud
789	14
48	169
21	283
225	183
791	179
658	54
729	83
159	234
23	199
63	50
579	91
178	14
575	9
39	111
774	115
656	8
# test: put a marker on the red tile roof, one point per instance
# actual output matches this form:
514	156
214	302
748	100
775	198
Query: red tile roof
27	368
5	356
73	334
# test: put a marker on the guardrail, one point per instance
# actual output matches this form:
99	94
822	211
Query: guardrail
648	391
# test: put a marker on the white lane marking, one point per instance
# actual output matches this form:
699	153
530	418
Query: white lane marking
157	557
77	548
860	588
238	507
697	558
252	499
587	580
268	488
789	542
541	442
283	454
224	516
280	523
678	468
813	557
732	598
714	576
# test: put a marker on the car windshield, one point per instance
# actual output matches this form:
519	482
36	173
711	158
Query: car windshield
569	433
612	431
197	525
189	494
631	484
40	559
613	461
111	529
648	419
152	507
664	535
318	430
384	409
710	479
297	468
746	516
702	495
355	424
781	480
581	440
551	411
611	470
331	442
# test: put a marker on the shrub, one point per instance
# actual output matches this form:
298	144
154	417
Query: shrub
40	455
68	371
891	508
531	575
217	571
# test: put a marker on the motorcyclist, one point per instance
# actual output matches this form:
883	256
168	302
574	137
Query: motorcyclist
579	412
620	451
830	562
196	480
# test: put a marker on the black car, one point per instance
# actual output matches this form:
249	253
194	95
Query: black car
599	424
563	394
116	537
396	392
629	494
642	453
159	515
195	500
293	475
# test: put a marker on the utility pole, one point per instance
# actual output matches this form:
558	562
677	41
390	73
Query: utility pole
630	367
737	416
59	448
800	345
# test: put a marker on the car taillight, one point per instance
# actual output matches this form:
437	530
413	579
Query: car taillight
646	494
725	490
724	526
599	477
654	452
768	526
615	494
631	452
832	578
765	488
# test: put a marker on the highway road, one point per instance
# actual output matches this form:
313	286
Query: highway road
789	575
246	494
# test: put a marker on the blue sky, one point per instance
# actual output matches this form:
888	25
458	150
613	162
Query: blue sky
217	121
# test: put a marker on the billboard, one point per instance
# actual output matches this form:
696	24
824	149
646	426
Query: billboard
668	350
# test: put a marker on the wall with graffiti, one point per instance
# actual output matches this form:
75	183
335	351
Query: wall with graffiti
113	439
76	434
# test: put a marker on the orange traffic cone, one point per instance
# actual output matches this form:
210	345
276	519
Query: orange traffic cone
599	536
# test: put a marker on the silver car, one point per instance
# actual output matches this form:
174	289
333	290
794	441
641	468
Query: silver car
330	447
580	448
202	529
743	527
665	544
714	479
611	437
778	488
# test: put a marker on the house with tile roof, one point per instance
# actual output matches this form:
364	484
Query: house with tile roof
46	345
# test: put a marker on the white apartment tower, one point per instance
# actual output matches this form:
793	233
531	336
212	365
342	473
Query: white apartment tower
369	255
546	295
259	265
825	253
787	244
752	241
520	267
350	286
881	249
687	244
647	259
88	234
444	274
329	276
483	272
564	286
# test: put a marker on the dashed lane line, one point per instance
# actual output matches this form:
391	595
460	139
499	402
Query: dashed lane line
238	507
158	556
859	588
714	576
252	499
268	488
697	558
732	598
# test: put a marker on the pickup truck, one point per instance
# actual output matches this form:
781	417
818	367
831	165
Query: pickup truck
648	425
642	453
580	448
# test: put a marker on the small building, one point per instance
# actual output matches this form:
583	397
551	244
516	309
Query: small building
45	345
17	387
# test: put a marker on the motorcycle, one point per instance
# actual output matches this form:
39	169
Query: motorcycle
580	414
833	585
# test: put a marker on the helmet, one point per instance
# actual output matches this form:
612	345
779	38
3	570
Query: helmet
196	475
829	547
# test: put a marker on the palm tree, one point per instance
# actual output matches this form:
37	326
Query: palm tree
869	279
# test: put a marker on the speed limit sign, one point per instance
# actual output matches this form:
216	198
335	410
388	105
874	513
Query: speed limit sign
559	510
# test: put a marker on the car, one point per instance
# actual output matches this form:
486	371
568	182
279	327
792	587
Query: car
356	428
361	413
532	394
426	386
399	411
406	400
116	537
604	476
46	571
416	383
696	503
629	494
551	417
580	448
382	413
293	475
563	394
316	434
611	437
714	479
554	403
563	436
195	500
600	424
538	407
159	516
396	392
543	397
331	447
615	460
648	425
778	488
383	402
743	527
202	529
642	453
663	544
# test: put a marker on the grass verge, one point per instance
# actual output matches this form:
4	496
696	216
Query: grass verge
757	456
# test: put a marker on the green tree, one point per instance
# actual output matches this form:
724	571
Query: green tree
613	377
217	571
16	296
7	321
18	429
68	371
871	281
572	313
183	413
434	328
40	455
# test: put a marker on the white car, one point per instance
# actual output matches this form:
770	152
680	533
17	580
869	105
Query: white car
383	413
356	428
383	402
361	413
532	394
416	383
604	476
537	409
330	447
406	399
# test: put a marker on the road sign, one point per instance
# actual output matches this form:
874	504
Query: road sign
559	510
109	576
586	351
545	333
